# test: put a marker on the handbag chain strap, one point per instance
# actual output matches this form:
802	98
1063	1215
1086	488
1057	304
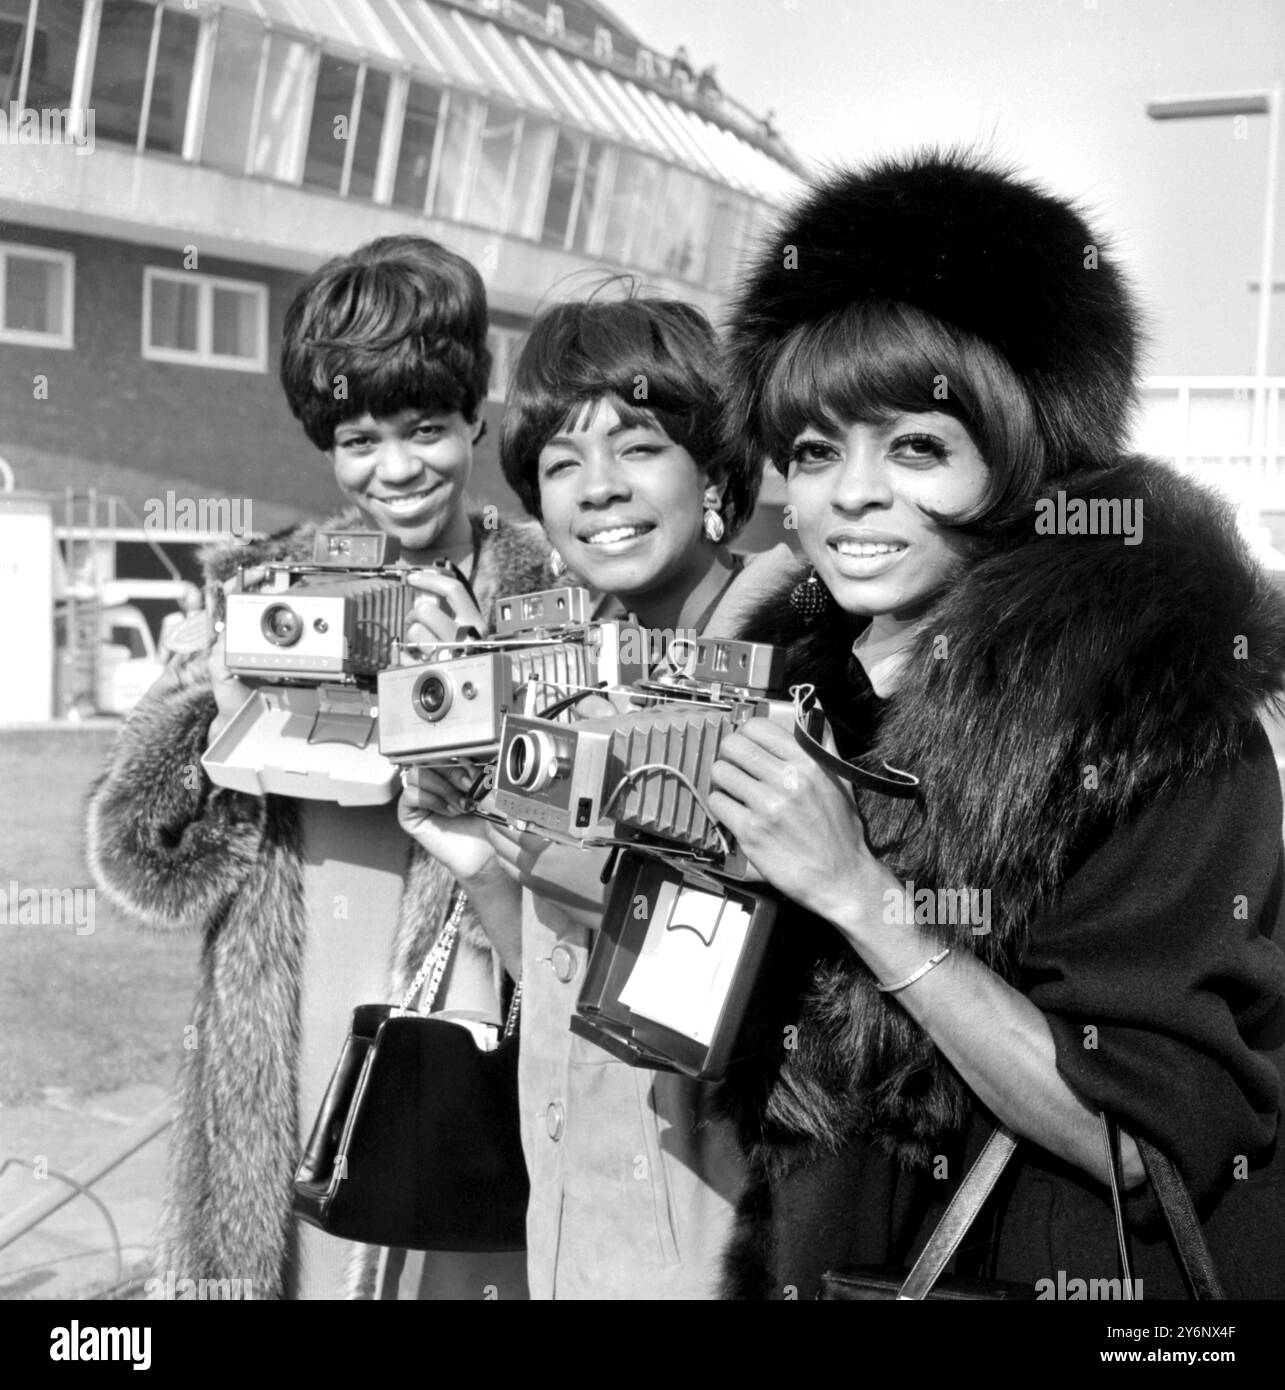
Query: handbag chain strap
1175	1201
434	968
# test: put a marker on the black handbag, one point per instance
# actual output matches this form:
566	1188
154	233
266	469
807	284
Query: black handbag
925	1281
417	1142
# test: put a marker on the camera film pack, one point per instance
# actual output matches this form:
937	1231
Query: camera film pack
313	637
544	652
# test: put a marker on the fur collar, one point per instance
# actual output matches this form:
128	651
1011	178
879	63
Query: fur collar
1064	680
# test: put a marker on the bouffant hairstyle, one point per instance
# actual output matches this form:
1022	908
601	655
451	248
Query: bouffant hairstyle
658	361
398	322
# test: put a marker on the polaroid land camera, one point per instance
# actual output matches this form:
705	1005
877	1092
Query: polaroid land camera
314	636
544	650
685	973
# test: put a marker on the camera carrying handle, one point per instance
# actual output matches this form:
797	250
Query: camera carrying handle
891	781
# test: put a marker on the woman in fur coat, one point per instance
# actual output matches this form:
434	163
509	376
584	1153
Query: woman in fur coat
304	908
1069	649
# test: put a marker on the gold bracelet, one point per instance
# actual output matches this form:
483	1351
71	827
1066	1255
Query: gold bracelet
915	975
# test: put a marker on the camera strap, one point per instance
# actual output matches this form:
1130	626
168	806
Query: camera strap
891	781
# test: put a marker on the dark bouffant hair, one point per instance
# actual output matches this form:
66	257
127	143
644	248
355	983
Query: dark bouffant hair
658	360
401	320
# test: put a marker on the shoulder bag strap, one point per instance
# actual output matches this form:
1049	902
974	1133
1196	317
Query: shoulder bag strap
434	966
964	1206
1184	1225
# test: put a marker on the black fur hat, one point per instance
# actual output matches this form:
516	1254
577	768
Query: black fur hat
974	246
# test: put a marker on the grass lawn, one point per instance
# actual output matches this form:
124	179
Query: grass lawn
92	1012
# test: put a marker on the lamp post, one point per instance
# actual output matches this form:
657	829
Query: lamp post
1246	104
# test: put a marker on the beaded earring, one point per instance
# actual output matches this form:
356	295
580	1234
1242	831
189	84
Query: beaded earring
810	599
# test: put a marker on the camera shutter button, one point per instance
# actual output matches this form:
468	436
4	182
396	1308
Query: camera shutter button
563	960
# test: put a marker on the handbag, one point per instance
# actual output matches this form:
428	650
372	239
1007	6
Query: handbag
417	1143
925	1281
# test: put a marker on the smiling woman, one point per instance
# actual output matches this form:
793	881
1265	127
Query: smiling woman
1085	735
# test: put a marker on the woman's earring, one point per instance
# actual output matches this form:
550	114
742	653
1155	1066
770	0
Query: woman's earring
557	565
810	599
715	529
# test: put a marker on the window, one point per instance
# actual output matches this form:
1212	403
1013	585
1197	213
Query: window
634	195
419	136
531	178
505	345
450	197
233	80
36	296
369	133
328	135
120	69
171	82
278	137
54	42
488	204
560	207
204	320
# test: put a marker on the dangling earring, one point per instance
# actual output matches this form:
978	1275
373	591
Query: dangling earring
715	529
810	599
557	565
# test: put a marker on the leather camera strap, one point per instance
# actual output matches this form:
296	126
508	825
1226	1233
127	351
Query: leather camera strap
891	781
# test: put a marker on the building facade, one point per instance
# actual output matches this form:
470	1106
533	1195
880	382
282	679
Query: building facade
170	170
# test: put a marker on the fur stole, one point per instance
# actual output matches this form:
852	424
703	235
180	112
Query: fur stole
175	852
1063	681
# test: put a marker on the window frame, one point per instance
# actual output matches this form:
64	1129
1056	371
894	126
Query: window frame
204	356
21	337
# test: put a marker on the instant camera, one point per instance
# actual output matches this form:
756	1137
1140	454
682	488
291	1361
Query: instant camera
543	653
682	969
312	638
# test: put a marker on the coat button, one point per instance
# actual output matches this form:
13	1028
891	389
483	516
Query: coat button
553	1120
563	960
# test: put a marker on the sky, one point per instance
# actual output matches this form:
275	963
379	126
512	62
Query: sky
1057	87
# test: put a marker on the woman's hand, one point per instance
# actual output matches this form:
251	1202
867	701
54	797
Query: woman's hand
445	612
799	827
433	811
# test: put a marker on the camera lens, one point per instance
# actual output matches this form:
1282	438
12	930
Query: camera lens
531	761
431	696
281	625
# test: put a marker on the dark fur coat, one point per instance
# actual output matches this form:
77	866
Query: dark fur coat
177	853
1064	682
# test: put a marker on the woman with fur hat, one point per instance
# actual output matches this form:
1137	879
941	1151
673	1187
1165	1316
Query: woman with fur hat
1068	649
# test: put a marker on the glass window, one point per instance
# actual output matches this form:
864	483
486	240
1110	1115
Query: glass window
727	235
13	30
531	178
631	208
328	135
370	130
172	82
589	190
204	320
449	197
53	53
35	296
233	80
120	69
680	233
279	137
415	158
490	188
175	309
562	187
